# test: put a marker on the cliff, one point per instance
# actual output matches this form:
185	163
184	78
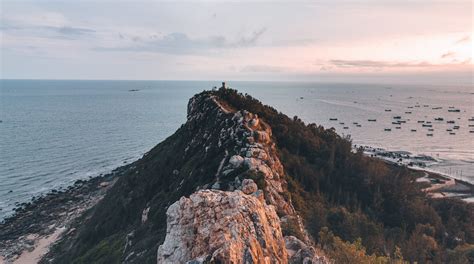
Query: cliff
240	182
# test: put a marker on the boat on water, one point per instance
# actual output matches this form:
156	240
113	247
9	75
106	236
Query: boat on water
452	133
359	125
427	125
397	117
450	122
408	112
396	123
454	110
413	130
449	130
420	121
372	120
332	119
346	127
471	119
398	127
429	135
341	123
439	119
471	125
455	127
388	110
387	129
471	131
430	129
436	108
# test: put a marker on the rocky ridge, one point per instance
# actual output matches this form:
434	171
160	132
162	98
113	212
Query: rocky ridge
239	221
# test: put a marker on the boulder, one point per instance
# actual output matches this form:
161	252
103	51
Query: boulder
249	186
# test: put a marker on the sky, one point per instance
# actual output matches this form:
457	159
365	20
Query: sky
335	40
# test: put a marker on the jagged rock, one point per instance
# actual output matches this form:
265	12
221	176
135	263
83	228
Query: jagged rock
300	253
249	186
225	227
236	160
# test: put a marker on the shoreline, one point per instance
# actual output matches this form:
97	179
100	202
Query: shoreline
26	235
440	185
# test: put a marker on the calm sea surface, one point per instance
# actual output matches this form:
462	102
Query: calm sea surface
55	132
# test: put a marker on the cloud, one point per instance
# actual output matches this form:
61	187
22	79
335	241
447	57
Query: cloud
448	54
376	64
70	31
251	40
47	25
465	39
380	65
181	43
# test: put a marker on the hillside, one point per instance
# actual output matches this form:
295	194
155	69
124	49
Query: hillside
241	181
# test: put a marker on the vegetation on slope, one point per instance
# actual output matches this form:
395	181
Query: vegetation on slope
361	199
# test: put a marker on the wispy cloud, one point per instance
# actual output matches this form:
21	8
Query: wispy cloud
181	43
464	39
448	54
373	64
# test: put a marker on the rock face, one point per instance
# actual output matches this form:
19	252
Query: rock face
235	222
224	227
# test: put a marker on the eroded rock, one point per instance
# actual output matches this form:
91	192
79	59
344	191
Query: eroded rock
225	227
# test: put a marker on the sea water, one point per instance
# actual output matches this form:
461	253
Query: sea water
53	133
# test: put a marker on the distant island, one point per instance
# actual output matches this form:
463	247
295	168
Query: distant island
240	182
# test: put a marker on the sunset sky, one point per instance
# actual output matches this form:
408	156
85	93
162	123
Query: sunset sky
280	40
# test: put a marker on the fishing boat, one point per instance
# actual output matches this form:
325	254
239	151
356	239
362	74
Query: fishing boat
407	112
439	119
450	122
387	129
372	120
332	119
397	117
388	110
420	121
429	135
413	130
454	110
426	125
455	127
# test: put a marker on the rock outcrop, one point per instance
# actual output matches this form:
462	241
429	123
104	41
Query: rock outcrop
222	227
235	222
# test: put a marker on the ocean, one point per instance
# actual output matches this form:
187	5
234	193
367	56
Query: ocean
53	133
